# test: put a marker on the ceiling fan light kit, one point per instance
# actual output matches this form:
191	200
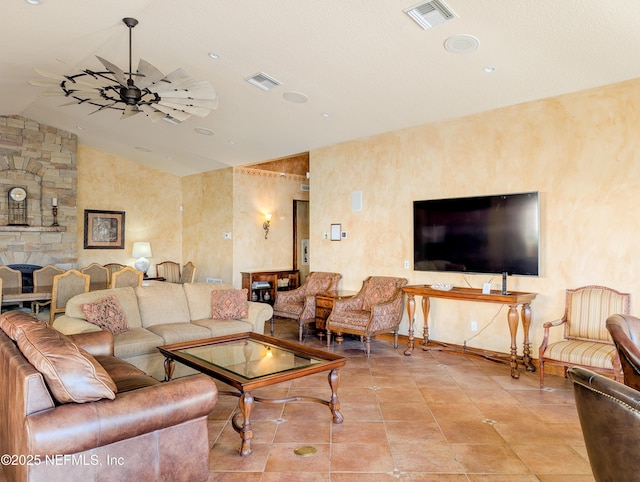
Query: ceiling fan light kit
174	97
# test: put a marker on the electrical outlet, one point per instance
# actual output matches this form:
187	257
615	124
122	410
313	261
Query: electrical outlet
406	264
325	235
474	326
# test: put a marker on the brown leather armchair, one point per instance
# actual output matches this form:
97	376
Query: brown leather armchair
610	423
625	331
300	304
377	308
140	434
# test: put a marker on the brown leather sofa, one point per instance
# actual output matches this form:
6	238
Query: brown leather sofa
141	430
625	332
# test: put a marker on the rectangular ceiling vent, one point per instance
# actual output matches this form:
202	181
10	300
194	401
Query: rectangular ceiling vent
430	14
263	81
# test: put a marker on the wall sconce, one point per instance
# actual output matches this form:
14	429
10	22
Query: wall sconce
142	251
267	224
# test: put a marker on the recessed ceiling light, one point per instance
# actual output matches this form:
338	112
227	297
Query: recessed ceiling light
490	69
33	2
461	44
143	149
213	55
295	97
80	128
326	115
204	131
233	143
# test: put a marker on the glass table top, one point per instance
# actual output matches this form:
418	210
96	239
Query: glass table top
250	359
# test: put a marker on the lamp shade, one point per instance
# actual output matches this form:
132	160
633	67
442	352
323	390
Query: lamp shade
141	249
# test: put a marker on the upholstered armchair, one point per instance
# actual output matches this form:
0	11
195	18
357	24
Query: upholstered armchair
610	423
300	304
625	331
377	308
586	341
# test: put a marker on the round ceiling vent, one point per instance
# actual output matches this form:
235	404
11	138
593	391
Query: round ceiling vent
461	44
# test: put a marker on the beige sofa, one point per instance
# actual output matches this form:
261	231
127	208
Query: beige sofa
162	314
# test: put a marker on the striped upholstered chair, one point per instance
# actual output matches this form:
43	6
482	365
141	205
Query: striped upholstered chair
586	341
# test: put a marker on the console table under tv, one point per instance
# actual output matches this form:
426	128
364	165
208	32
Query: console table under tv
513	299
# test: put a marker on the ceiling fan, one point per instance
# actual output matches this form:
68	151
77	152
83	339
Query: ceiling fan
174	97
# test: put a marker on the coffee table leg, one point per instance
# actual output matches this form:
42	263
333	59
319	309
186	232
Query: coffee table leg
169	365
246	404
334	403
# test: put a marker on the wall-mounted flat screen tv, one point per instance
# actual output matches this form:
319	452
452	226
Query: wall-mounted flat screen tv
485	234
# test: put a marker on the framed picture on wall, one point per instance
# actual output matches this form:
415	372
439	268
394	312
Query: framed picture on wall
103	229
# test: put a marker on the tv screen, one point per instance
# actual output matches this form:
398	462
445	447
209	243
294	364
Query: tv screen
486	234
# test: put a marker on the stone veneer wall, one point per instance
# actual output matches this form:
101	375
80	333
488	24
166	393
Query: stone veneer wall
43	160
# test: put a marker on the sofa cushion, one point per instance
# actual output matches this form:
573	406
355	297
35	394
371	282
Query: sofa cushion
199	298
107	314
138	341
126	297
179	332
224	327
11	321
229	304
162	303
71	373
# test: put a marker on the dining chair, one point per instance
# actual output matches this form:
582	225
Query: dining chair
43	279
11	280
112	268
188	273
99	276
127	276
65	286
169	270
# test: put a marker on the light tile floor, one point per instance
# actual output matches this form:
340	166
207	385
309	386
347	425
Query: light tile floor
433	416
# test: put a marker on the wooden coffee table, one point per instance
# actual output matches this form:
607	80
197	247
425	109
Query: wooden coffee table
249	361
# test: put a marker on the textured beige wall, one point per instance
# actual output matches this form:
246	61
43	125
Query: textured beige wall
208	214
150	198
580	151
255	193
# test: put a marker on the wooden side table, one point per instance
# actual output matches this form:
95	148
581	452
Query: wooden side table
324	305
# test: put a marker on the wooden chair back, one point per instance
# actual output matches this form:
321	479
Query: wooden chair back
588	308
127	276
169	270
99	276
44	276
65	287
188	273
11	279
112	268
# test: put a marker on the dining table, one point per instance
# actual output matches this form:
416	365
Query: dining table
12	296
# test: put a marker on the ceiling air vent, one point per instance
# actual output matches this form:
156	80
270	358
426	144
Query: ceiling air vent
263	81
430	14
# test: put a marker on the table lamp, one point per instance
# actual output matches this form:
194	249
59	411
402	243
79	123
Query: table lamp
142	251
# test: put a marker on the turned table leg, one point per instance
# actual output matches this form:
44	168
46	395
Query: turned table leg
246	404
169	366
411	309
526	323
512	317
334	403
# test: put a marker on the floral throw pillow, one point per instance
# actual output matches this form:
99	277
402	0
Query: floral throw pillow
107	314
229	304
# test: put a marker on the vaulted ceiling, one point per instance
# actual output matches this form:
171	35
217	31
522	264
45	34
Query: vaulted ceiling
363	66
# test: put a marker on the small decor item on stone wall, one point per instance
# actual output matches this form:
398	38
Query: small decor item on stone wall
103	229
17	206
